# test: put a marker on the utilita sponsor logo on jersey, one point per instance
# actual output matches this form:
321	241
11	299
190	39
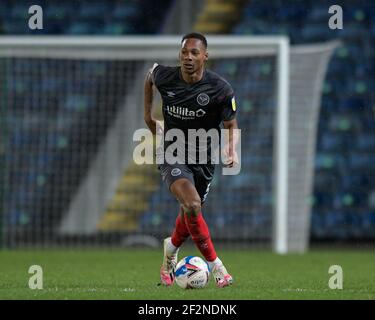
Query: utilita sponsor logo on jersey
184	113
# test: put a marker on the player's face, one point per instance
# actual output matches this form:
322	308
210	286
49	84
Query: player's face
193	55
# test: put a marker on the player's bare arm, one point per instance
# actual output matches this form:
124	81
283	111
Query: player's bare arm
230	147
148	102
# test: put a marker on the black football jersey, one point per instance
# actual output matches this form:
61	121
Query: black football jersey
201	105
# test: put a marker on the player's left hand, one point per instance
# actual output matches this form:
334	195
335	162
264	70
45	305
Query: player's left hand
230	157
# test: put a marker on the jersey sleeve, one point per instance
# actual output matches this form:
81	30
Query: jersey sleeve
229	107
158	73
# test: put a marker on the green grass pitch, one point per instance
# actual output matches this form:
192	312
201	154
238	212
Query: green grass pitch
134	274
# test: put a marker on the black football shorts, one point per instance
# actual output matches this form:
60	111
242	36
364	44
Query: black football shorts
200	175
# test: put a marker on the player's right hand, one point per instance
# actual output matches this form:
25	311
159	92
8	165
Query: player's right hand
151	124
159	127
156	126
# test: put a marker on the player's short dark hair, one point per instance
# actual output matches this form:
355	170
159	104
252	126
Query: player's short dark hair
195	35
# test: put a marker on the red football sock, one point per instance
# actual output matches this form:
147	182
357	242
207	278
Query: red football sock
201	235
180	232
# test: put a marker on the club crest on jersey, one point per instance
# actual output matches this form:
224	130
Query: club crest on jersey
203	99
175	172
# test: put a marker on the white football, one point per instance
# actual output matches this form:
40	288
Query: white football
192	273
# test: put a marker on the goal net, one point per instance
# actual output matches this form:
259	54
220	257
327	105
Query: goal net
70	107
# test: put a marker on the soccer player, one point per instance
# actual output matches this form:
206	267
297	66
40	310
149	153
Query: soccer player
193	98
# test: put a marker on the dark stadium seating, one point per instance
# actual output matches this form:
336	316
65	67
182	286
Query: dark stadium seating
45	166
345	161
344	192
70	117
85	17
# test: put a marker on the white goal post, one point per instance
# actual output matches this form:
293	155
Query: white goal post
81	215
